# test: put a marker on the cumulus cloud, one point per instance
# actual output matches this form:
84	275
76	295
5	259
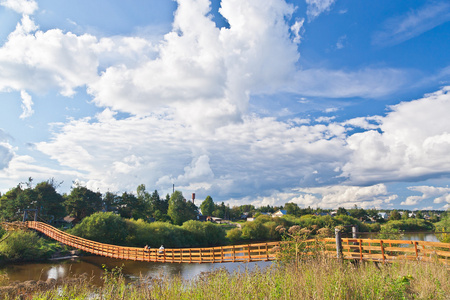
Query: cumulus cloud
203	73
345	196
26	7
238	158
6	150
317	7
27	104
411	143
436	194
399	29
37	61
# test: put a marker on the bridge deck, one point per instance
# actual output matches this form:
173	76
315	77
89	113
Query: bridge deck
355	249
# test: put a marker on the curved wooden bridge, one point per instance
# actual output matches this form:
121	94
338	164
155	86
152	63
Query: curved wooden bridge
355	249
235	253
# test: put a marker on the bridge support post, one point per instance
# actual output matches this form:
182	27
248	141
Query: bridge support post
355	231
338	234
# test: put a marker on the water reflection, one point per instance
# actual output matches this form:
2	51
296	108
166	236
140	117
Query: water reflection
92	266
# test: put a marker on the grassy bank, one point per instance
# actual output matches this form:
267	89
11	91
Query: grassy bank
318	278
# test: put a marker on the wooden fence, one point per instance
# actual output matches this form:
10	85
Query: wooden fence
346	248
388	250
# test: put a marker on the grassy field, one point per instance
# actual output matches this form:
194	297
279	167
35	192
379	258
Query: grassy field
317	278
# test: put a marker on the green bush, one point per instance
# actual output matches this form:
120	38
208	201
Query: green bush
234	235
107	228
410	225
205	233
26	246
158	233
444	226
254	231
2	232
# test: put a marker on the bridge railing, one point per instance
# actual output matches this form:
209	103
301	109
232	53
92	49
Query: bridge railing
356	249
234	253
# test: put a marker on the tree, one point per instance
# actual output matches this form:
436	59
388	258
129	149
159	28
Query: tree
207	206
82	202
405	215
50	204
419	215
43	197
395	215
110	201
10	209
358	213
292	209
179	210
341	211
130	206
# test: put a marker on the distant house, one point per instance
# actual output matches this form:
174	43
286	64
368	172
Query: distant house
383	215
250	219
279	213
244	215
201	218
322	214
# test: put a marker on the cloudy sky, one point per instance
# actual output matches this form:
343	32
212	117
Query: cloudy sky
319	102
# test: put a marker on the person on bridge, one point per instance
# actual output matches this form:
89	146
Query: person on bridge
161	249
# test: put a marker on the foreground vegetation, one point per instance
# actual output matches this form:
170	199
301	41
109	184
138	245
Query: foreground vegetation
316	278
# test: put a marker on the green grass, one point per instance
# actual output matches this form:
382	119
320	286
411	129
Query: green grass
317	278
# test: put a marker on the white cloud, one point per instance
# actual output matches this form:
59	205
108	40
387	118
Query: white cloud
345	196
341	42
40	61
21	167
399	29
366	83
297	30
237	158
413	143
437	194
6	151
203	73
317	7
26	7
27	103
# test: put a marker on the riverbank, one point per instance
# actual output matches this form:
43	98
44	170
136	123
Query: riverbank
318	278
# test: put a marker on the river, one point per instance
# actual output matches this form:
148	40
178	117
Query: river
133	270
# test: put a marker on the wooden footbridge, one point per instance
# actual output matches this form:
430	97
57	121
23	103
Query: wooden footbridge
347	248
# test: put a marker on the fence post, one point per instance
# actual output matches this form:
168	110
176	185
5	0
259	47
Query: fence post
354	231
337	233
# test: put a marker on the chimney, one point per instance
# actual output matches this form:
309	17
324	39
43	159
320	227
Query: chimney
193	197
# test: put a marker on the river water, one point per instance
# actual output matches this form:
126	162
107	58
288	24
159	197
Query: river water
133	270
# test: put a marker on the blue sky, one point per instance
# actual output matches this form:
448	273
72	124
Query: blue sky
324	103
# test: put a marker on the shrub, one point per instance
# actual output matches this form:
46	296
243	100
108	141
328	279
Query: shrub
25	246
205	233
444	226
254	231
103	227
234	235
159	233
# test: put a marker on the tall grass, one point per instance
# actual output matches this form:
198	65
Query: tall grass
316	278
